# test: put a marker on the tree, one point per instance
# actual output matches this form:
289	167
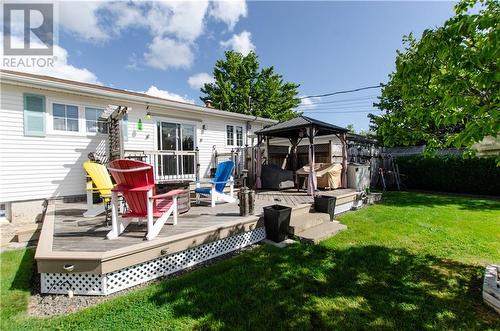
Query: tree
445	89
241	87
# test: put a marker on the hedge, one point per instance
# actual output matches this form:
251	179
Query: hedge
451	174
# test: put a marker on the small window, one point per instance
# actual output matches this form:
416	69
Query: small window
65	117
229	135
34	115
239	136
93	120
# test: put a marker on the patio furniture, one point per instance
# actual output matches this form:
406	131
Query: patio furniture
223	176
135	181
100	178
328	175
275	178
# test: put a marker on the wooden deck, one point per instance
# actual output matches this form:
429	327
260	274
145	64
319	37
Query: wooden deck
73	232
69	238
73	252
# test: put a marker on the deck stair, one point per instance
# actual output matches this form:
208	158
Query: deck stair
312	227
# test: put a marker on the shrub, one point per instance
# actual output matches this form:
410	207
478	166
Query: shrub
451	174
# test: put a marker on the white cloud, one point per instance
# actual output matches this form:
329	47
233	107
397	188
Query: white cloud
156	92
98	21
80	18
240	43
183	19
229	12
60	69
164	53
197	81
309	103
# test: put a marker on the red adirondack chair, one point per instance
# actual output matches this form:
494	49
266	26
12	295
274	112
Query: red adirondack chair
135	181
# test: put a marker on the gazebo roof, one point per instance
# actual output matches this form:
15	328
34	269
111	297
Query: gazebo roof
292	128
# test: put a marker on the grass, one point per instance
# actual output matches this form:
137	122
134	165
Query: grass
413	262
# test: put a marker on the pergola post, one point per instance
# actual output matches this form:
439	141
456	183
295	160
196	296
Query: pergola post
312	182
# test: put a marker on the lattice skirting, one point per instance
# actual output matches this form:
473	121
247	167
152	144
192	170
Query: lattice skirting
86	284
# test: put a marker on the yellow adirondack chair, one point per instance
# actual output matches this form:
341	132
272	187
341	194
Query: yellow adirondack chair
100	178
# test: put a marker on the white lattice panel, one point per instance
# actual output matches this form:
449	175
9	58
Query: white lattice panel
166	265
140	273
59	283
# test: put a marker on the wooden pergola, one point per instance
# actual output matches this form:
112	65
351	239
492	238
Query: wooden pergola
297	129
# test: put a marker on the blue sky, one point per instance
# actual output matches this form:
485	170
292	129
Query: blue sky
323	46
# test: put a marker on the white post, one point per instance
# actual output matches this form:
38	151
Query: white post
114	216
175	209
213	195
150	209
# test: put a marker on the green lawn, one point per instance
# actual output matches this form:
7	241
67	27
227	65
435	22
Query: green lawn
413	262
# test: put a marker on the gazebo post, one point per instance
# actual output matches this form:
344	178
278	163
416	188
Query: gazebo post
343	139
312	184
258	165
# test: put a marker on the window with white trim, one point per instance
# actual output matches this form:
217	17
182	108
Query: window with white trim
239	136
229	135
65	117
93	120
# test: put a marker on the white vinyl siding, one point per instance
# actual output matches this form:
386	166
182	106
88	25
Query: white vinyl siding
34	115
37	168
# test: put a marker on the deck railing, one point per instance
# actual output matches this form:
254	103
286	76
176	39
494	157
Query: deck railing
169	165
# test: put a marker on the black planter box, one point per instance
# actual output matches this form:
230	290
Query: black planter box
325	204
276	221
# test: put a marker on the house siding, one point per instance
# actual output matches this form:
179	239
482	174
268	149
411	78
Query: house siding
52	166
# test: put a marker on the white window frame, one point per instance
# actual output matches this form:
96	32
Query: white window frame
236	135
78	116
97	120
82	128
226	136
156	119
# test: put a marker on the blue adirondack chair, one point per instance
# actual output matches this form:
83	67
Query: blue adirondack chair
223	176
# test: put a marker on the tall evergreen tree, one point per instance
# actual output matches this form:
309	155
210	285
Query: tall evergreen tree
242	87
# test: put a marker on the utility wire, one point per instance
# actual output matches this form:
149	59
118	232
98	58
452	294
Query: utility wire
342	92
368	97
341	112
350	105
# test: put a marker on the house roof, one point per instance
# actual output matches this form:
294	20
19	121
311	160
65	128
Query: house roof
54	83
293	127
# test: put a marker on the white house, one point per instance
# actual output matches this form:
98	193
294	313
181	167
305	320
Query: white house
49	125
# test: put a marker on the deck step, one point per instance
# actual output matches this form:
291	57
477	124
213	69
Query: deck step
302	221
321	232
28	232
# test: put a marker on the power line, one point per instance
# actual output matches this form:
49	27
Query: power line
342	92
341	112
368	97
350	105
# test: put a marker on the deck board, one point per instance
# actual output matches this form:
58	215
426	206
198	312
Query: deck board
73	232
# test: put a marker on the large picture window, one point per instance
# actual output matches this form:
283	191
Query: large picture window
65	117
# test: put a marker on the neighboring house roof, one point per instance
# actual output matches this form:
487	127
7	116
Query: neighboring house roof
360	138
291	127
53	83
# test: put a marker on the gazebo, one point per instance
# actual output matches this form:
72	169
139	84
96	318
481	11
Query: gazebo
295	130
